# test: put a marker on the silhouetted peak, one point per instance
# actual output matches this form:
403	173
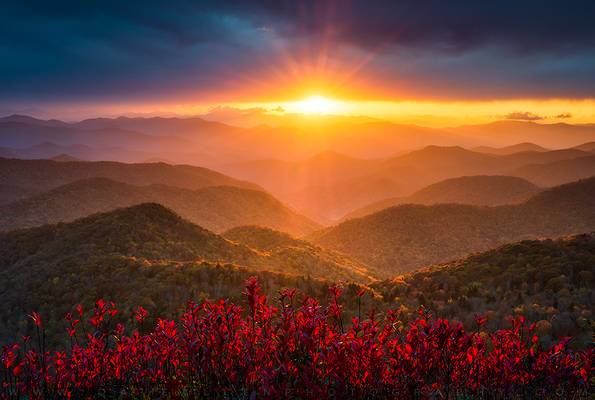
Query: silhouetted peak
27	119
19	118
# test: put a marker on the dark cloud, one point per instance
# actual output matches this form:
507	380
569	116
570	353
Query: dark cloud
564	115
125	50
526	25
523	116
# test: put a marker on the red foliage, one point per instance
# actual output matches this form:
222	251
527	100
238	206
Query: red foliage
220	350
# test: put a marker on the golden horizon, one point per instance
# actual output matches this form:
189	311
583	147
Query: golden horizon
427	113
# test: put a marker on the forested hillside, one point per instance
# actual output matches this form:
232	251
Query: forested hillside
146	255
299	255
405	237
549	282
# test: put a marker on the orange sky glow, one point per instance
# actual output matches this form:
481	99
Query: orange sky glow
432	113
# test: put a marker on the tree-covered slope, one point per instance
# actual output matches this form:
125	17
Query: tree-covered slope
298	254
401	238
549	282
145	255
152	232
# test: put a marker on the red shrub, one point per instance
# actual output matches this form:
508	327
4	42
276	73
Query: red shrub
219	350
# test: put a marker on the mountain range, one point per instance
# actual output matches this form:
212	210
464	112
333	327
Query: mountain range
331	185
216	208
515	148
146	255
481	190
42	175
194	140
458	220
356	160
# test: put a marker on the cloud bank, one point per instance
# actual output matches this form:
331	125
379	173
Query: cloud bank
195	50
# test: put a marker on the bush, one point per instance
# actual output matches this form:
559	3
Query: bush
221	350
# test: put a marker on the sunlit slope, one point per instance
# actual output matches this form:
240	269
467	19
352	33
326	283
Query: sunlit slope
296	253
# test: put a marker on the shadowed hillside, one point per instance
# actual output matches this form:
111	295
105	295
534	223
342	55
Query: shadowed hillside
41	175
216	208
162	287
483	190
10	193
401	238
558	172
589	146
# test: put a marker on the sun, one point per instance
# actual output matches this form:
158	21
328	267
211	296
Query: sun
317	105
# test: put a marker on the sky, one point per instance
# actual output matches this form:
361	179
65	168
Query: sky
424	62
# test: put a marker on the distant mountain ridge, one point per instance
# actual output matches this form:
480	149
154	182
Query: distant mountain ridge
558	172
590	146
42	175
64	158
506	150
331	190
217	208
481	190
507	132
194	140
